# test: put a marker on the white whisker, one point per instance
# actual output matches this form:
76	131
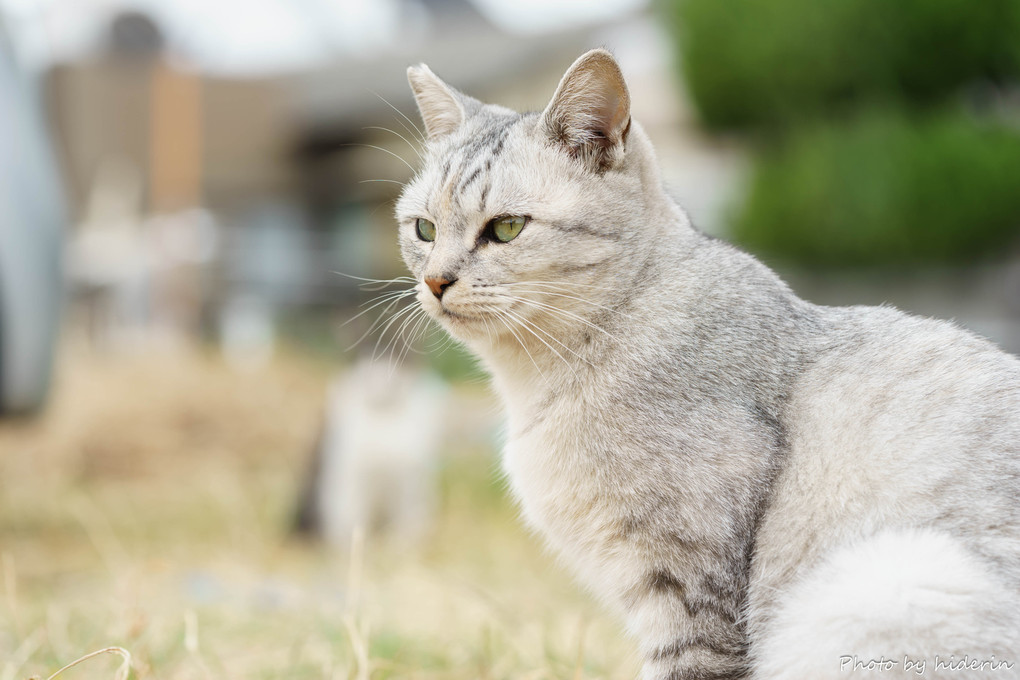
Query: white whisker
558	284
403	313
384	150
416	320
391	181
500	314
414	147
391	298
390	295
419	327
579	299
417	130
377	322
531	328
398	279
556	310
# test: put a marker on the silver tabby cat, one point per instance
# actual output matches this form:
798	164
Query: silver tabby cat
761	487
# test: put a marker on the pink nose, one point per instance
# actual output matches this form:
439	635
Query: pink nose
438	286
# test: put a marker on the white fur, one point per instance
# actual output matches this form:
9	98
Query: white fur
914	594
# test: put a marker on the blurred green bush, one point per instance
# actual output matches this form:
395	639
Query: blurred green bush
750	63
865	154
886	188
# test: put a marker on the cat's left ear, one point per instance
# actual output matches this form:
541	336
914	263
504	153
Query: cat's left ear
442	108
590	112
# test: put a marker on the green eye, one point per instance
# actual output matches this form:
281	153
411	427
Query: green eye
426	230
507	228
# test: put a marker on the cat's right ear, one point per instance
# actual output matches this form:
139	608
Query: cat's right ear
442	108
590	112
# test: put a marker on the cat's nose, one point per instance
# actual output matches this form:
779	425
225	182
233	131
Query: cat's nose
438	286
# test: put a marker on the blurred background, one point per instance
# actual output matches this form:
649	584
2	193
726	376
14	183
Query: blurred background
200	462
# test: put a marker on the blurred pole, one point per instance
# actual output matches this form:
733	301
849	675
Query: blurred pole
175	187
176	139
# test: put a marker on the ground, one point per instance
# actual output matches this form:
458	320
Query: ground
148	509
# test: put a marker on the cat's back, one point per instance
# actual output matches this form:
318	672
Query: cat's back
885	383
897	421
899	497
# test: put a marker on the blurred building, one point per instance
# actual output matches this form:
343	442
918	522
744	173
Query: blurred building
297	165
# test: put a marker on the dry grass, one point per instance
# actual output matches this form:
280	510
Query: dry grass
147	510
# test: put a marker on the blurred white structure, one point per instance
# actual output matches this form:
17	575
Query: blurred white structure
32	221
137	279
374	465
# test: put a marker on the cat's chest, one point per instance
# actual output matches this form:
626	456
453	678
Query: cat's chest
560	470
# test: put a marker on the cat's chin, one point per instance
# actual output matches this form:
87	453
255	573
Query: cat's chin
460	325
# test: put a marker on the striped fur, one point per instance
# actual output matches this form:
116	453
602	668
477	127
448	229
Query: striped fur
758	485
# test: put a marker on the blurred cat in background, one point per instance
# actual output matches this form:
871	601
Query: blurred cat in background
374	464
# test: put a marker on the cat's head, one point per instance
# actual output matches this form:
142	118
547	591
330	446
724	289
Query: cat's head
524	224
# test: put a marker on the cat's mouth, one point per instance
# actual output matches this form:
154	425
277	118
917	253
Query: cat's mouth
443	312
449	313
464	323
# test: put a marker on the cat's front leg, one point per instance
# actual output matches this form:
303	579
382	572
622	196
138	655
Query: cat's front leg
688	628
665	670
695	657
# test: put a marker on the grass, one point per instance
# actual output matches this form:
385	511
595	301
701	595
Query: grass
144	518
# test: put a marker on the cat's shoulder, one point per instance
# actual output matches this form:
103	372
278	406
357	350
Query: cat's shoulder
886	353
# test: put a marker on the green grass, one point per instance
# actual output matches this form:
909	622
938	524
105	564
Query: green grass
148	509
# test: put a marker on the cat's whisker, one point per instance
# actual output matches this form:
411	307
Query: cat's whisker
378	321
395	352
391	181
383	325
441	340
414	147
391	298
416	320
553	309
397	279
411	321
501	315
405	313
384	150
389	295
423	325
488	331
419	328
579	299
558	284
414	129
532	327
556	310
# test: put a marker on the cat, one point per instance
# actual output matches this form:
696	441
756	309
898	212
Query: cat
373	468
761	487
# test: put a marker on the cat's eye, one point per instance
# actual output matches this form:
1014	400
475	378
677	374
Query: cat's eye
507	228
426	230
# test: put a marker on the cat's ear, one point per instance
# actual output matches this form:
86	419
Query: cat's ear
442	108
590	112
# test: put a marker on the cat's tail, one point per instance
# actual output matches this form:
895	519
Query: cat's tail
901	604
